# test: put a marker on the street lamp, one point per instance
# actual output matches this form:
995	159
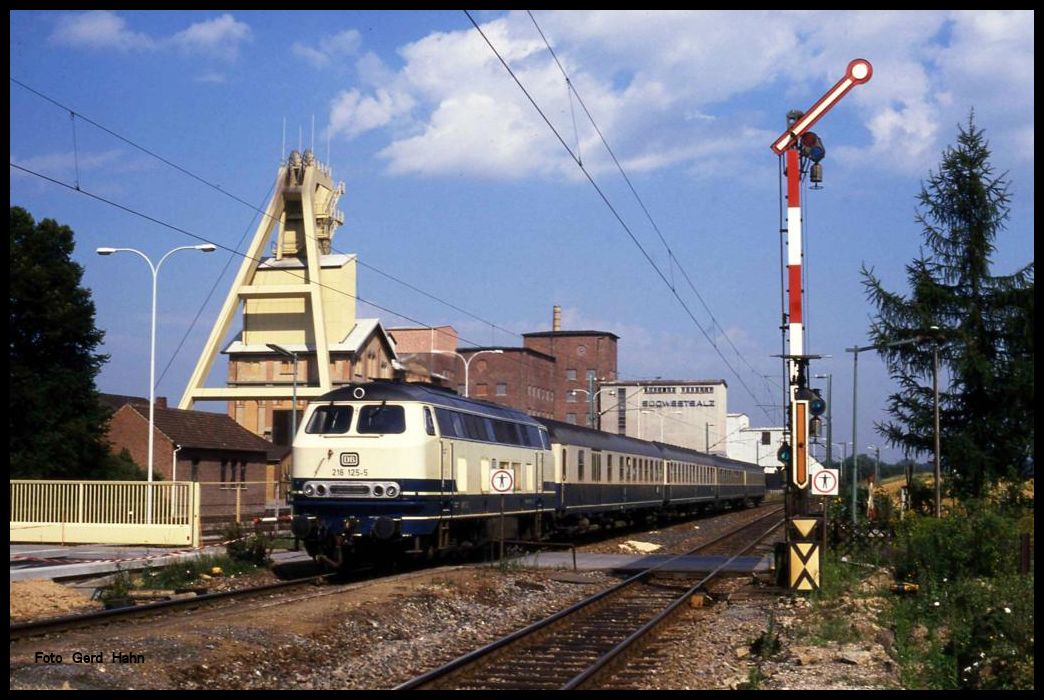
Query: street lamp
204	248
935	391
844	454
467	361
591	398
293	406
877	464
855	405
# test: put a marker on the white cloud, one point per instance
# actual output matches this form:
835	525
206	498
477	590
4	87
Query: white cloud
351	113
102	29
687	89
220	36
329	48
213	78
71	167
98	29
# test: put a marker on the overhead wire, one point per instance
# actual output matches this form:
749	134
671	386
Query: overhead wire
151	153
672	258
612	208
219	189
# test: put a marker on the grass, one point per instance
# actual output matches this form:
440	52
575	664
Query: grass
185	574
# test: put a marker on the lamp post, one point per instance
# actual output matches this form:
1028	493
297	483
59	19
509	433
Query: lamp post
844	454
855	405
467	361
935	393
591	401
293	406
204	248
877	464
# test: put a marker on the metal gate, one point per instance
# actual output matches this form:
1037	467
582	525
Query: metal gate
105	512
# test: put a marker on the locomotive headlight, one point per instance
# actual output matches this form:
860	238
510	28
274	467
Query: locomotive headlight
309	490
392	491
320	490
378	490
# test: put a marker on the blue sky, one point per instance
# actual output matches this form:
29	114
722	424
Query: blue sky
455	183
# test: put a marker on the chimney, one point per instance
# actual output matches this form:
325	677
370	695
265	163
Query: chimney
556	320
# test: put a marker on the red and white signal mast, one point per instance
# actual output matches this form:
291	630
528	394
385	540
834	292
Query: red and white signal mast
802	147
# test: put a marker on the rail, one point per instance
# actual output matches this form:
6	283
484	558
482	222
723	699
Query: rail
476	660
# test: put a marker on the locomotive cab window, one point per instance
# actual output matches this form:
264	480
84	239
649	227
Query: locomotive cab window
330	420
381	419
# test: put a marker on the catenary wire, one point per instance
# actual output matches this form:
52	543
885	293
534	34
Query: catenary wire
613	210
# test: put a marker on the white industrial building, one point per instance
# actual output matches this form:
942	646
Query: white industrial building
678	412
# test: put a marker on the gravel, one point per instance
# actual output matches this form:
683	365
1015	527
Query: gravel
377	634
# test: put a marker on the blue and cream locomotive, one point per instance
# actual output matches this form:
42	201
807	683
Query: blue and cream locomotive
386	468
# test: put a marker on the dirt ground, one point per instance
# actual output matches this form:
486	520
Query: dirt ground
32	600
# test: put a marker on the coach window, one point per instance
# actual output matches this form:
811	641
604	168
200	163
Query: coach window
608	467
579	465
381	419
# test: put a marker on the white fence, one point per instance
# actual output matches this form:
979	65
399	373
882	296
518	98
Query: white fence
162	513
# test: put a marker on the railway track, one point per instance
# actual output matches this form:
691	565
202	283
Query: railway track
581	645
35	628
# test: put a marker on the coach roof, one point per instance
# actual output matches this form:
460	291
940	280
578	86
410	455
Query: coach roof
570	434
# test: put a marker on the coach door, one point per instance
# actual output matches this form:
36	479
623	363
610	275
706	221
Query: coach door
446	496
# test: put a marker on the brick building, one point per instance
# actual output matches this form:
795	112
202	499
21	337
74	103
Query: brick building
584	360
233	465
427	354
521	378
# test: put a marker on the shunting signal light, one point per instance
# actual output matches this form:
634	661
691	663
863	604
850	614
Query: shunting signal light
816	405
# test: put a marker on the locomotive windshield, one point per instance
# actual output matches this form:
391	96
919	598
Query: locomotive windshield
381	419
330	419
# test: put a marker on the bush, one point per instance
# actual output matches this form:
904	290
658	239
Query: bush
251	549
973	542
971	624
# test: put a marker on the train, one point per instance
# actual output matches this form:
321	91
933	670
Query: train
387	469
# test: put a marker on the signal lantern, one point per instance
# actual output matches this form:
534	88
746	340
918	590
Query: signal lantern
784	453
816	405
811	147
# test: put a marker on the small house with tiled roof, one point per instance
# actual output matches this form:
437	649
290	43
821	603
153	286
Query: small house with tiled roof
231	464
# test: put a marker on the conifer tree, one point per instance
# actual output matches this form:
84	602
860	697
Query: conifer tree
985	323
